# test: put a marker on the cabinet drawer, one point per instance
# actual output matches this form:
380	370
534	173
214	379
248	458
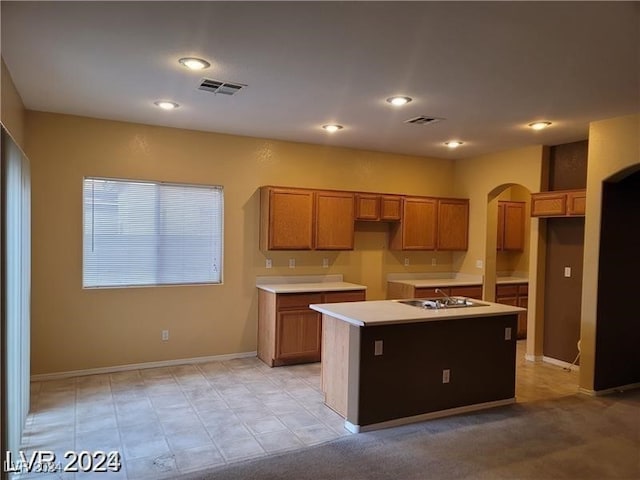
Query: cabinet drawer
297	300
523	289
468	291
337	297
506	291
430	292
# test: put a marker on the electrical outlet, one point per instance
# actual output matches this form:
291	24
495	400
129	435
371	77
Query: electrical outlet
406	261
567	272
433	262
268	263
165	335
377	347
479	263
325	263
446	375
507	333
292	263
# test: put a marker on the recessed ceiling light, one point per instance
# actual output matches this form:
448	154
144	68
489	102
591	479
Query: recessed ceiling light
453	143
193	63
166	105
539	125
332	127
398	100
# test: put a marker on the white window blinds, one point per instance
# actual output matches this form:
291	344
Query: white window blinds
149	233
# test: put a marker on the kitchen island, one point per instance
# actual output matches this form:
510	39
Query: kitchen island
385	363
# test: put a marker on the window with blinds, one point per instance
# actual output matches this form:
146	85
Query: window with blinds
149	233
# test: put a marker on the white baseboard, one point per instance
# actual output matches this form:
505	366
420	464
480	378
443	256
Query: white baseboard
560	363
533	358
609	391
427	416
139	366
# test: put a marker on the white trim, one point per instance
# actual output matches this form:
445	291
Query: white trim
533	358
427	416
139	366
560	363
609	391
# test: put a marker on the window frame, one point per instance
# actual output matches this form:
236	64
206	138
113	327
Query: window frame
159	183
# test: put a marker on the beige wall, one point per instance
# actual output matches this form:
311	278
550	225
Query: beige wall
12	111
76	329
614	145
482	179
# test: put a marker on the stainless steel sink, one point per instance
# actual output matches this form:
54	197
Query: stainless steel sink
437	303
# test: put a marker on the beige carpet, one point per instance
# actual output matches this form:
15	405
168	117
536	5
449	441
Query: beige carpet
576	437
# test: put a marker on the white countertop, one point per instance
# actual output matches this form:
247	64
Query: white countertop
387	312
420	280
306	283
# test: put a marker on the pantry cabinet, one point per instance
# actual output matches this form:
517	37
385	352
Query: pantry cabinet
511	218
289	332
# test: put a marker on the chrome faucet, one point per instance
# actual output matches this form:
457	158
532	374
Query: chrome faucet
447	297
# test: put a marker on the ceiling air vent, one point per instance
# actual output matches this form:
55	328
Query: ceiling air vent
216	86
423	120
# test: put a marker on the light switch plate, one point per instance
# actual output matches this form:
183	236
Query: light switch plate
406	261
292	263
507	333
325	263
567	272
446	375
377	347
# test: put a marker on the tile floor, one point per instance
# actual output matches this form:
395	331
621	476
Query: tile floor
173	420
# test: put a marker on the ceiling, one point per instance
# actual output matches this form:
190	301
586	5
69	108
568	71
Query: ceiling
487	68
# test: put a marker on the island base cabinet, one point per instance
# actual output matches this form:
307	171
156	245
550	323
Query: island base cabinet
402	380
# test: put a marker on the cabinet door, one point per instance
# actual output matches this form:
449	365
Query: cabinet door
513	226
367	206
453	224
576	202
287	217
334	220
548	204
390	207
298	335
419	223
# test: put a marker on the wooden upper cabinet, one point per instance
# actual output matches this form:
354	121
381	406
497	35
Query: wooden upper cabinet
417	231
511	218
390	207
367	206
374	207
558	203
453	224
576	202
335	218
286	219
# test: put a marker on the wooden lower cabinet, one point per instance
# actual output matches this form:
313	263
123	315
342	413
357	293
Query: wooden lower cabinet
298	335
518	296
288	331
396	290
